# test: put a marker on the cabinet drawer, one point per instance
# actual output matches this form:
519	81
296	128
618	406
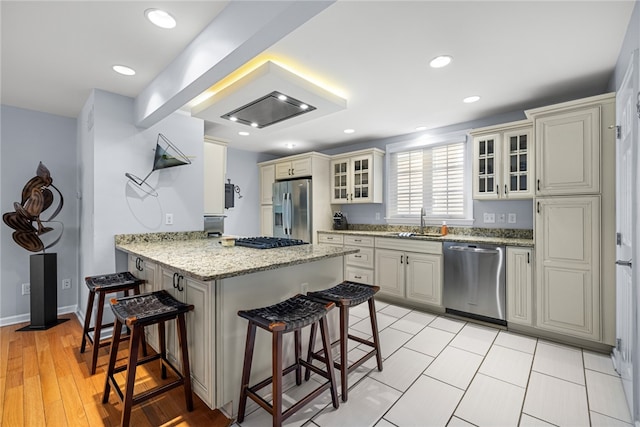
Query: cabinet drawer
358	241
360	275
330	238
364	258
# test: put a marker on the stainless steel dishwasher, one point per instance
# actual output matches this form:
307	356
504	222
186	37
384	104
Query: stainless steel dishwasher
474	281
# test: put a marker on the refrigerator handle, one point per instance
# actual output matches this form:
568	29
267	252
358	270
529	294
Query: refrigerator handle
285	221
290	216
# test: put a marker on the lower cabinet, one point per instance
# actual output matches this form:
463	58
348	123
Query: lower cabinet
568	266
147	271
519	285
199	330
414	273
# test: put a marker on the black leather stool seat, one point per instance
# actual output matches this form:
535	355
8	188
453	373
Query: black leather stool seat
346	293
115	280
294	313
147	308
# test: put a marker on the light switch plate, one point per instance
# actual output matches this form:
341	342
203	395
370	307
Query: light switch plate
512	218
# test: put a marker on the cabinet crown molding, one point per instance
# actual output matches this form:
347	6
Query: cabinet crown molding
295	157
501	127
376	151
569	105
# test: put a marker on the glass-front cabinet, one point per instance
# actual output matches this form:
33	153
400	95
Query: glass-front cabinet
502	161
357	177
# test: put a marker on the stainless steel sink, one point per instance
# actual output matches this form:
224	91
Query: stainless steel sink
408	234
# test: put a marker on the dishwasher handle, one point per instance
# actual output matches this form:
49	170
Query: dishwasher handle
475	250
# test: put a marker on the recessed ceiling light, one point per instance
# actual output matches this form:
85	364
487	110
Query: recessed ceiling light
304	106
124	70
254	125
243	133
349	131
282	97
290	145
440	61
160	18
233	118
421	128
470	99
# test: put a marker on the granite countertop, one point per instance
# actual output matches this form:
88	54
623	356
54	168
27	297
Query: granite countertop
206	259
507	240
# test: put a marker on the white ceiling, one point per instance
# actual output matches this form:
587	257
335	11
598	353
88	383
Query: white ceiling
375	54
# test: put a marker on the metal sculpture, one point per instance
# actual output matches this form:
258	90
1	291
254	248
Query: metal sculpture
37	198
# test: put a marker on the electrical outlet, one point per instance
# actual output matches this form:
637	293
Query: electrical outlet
377	216
489	218
512	218
502	218
26	288
304	288
66	283
168	219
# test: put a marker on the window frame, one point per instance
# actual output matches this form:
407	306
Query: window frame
429	141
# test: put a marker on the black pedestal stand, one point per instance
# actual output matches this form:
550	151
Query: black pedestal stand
44	293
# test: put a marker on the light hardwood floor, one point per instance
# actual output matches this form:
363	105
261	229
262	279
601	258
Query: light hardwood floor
45	381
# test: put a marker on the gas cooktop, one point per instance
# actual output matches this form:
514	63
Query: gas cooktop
267	242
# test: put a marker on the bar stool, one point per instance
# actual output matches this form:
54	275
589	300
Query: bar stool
288	316
346	295
102	285
136	312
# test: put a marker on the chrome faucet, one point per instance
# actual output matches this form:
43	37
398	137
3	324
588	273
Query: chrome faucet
422	220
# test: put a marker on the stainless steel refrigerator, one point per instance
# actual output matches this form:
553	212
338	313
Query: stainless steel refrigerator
292	209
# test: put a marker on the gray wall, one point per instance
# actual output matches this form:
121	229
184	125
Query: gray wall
28	137
111	145
244	218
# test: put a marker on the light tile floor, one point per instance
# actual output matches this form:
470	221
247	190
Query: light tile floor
440	371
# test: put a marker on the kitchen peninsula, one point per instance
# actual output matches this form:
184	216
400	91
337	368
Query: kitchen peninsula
219	281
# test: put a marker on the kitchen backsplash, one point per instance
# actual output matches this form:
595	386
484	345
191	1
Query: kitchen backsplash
516	233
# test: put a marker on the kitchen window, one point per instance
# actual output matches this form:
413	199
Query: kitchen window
430	173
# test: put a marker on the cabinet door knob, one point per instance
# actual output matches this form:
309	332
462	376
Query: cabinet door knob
538	207
538	185
180	277
401	259
505	189
497	189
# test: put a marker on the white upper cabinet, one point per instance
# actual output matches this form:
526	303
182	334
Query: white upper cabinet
357	177
215	165
295	168
503	161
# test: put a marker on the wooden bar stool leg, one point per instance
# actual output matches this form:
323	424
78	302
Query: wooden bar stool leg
186	370
326	342
96	333
162	343
312	340
246	369
277	378
374	329
344	362
113	353
87	320
298	355
127	401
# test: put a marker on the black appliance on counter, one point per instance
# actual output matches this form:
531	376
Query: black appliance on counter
340	221
267	242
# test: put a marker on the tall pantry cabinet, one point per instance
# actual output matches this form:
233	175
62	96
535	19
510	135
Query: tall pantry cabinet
575	218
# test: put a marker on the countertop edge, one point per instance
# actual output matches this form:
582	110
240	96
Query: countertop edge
507	241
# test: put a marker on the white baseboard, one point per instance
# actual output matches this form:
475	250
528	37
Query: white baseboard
21	318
